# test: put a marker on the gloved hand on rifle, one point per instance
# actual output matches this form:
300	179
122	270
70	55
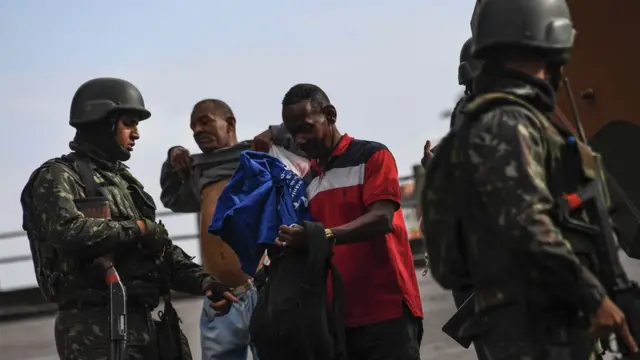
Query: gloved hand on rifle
219	295
155	238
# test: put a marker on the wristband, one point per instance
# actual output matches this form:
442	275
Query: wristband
330	235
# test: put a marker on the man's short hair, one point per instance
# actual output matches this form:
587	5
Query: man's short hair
220	107
306	92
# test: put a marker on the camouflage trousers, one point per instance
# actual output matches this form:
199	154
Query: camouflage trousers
516	333
84	335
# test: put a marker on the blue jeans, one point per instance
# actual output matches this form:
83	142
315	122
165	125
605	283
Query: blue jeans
227	337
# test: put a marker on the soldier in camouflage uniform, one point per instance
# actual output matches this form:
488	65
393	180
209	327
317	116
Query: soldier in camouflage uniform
536	293
64	241
467	71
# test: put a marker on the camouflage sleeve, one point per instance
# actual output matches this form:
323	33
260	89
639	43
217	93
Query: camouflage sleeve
177	194
68	229
186	275
508	162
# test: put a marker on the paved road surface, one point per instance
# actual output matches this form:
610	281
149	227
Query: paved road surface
33	339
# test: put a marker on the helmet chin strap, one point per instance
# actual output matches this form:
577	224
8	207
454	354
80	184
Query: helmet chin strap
113	148
102	138
554	74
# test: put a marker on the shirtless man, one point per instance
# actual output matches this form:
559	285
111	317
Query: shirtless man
192	184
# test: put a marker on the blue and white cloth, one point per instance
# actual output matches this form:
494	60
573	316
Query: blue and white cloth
263	194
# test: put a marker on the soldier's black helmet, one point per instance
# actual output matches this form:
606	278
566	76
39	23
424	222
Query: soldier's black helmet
99	98
469	67
473	15
541	27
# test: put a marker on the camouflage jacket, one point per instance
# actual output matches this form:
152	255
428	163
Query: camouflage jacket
513	238
70	241
459	105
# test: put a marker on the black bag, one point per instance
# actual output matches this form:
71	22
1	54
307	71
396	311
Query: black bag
172	343
290	320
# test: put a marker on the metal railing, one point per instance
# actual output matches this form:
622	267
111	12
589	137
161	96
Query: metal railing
163	214
27	257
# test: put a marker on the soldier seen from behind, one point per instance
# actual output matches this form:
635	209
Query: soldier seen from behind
491	196
66	238
467	71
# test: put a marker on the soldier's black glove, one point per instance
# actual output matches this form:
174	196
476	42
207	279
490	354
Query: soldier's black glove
156	239
214	289
220	296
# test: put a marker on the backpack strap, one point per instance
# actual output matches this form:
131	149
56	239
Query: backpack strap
85	170
484	102
320	258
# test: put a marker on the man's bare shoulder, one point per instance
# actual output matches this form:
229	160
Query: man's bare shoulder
213	190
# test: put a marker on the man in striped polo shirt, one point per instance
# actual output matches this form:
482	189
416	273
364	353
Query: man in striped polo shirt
355	192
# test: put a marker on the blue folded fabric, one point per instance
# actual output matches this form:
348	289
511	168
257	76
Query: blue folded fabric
261	195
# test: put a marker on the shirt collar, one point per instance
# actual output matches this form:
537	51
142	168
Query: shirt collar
341	147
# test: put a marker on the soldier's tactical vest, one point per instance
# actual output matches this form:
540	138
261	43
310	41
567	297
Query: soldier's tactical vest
63	278
569	165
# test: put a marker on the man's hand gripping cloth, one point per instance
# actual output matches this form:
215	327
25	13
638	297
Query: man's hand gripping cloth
262	195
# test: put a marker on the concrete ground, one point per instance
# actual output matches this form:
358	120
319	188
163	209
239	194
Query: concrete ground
32	339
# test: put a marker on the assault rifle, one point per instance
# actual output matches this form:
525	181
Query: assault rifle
96	207
117	310
594	199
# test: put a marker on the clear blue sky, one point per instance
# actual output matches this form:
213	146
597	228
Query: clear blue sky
390	68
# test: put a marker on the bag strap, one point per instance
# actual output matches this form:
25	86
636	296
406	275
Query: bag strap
482	102
319	258
85	170
166	288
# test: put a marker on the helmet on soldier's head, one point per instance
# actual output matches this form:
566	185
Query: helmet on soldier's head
540	27
469	67
473	15
96	99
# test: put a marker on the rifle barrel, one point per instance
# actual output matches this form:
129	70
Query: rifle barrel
574	109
